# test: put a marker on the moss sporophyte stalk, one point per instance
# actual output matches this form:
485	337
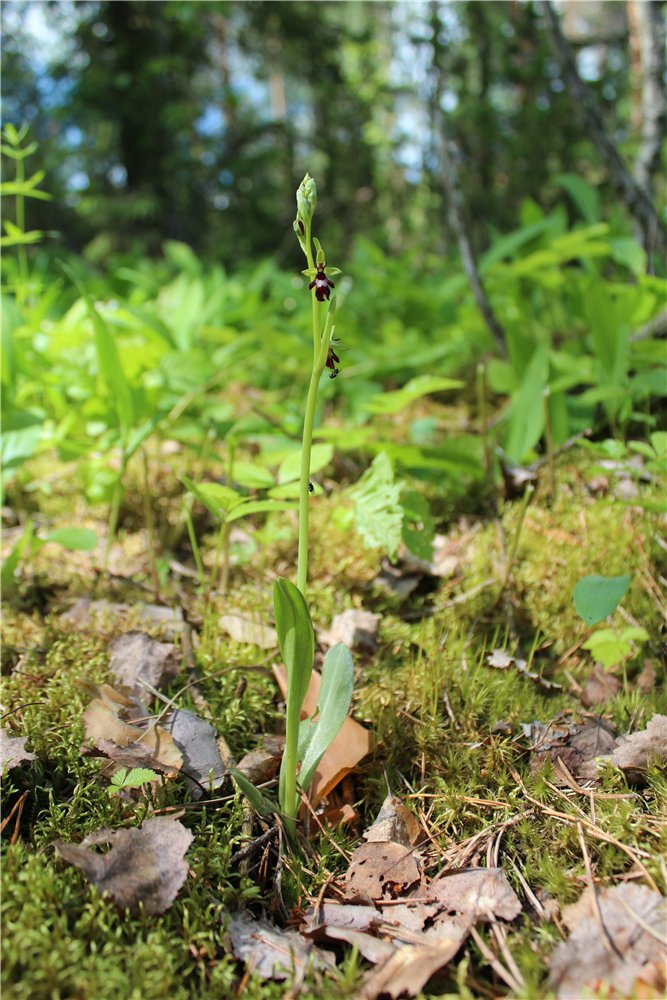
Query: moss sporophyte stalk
307	740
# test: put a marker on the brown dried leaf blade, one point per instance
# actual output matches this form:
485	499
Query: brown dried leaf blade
272	953
145	866
13	751
634	753
630	951
136	657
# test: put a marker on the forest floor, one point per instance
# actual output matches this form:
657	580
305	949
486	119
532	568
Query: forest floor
486	714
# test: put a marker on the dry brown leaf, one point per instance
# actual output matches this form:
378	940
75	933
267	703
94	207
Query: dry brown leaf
477	893
578	750
353	627
620	957
410	968
262	763
107	615
645	681
350	746
197	740
244	629
134	743
13	751
272	953
633	754
601	686
135	657
381	871
145	867
394	822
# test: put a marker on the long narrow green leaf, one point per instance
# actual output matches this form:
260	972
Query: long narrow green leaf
333	706
108	360
296	639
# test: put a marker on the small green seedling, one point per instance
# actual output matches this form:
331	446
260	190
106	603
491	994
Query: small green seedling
135	778
610	646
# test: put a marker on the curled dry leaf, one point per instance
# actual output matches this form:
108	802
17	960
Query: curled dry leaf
244	629
135	657
625	959
394	822
145	867
262	763
13	751
121	729
633	754
349	747
197	740
353	627
272	953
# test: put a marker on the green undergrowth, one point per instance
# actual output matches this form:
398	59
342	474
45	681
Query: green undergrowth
449	742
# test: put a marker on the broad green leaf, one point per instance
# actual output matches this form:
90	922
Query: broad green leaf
108	359
290	467
417	530
596	597
333	705
610	647
258	507
216	498
584	196
422	385
261	803
252	476
527	417
377	507
296	640
74	539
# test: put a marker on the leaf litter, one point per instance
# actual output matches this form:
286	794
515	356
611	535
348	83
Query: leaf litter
620	950
136	660
145	867
13	751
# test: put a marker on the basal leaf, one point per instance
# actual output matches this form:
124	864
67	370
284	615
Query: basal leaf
333	706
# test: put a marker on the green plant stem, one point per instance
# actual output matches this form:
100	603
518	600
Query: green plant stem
224	579
114	510
483	426
517	534
548	434
150	527
194	545
22	253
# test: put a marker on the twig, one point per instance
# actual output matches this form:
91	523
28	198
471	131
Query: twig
495	964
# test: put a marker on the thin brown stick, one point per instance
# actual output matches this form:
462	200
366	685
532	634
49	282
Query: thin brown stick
607	939
495	963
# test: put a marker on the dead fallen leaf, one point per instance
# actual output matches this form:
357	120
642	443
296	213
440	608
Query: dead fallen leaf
410	968
145	867
262	763
380	871
272	953
601	686
135	657
121	728
500	659
394	822
245	629
645	681
480	893
350	746
203	767
633	754
104	615
393	579
355	628
578	751
13	751
625	955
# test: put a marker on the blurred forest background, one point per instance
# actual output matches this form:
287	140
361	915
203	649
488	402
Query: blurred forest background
195	121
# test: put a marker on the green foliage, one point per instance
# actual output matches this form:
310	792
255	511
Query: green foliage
596	597
332	707
134	778
611	646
